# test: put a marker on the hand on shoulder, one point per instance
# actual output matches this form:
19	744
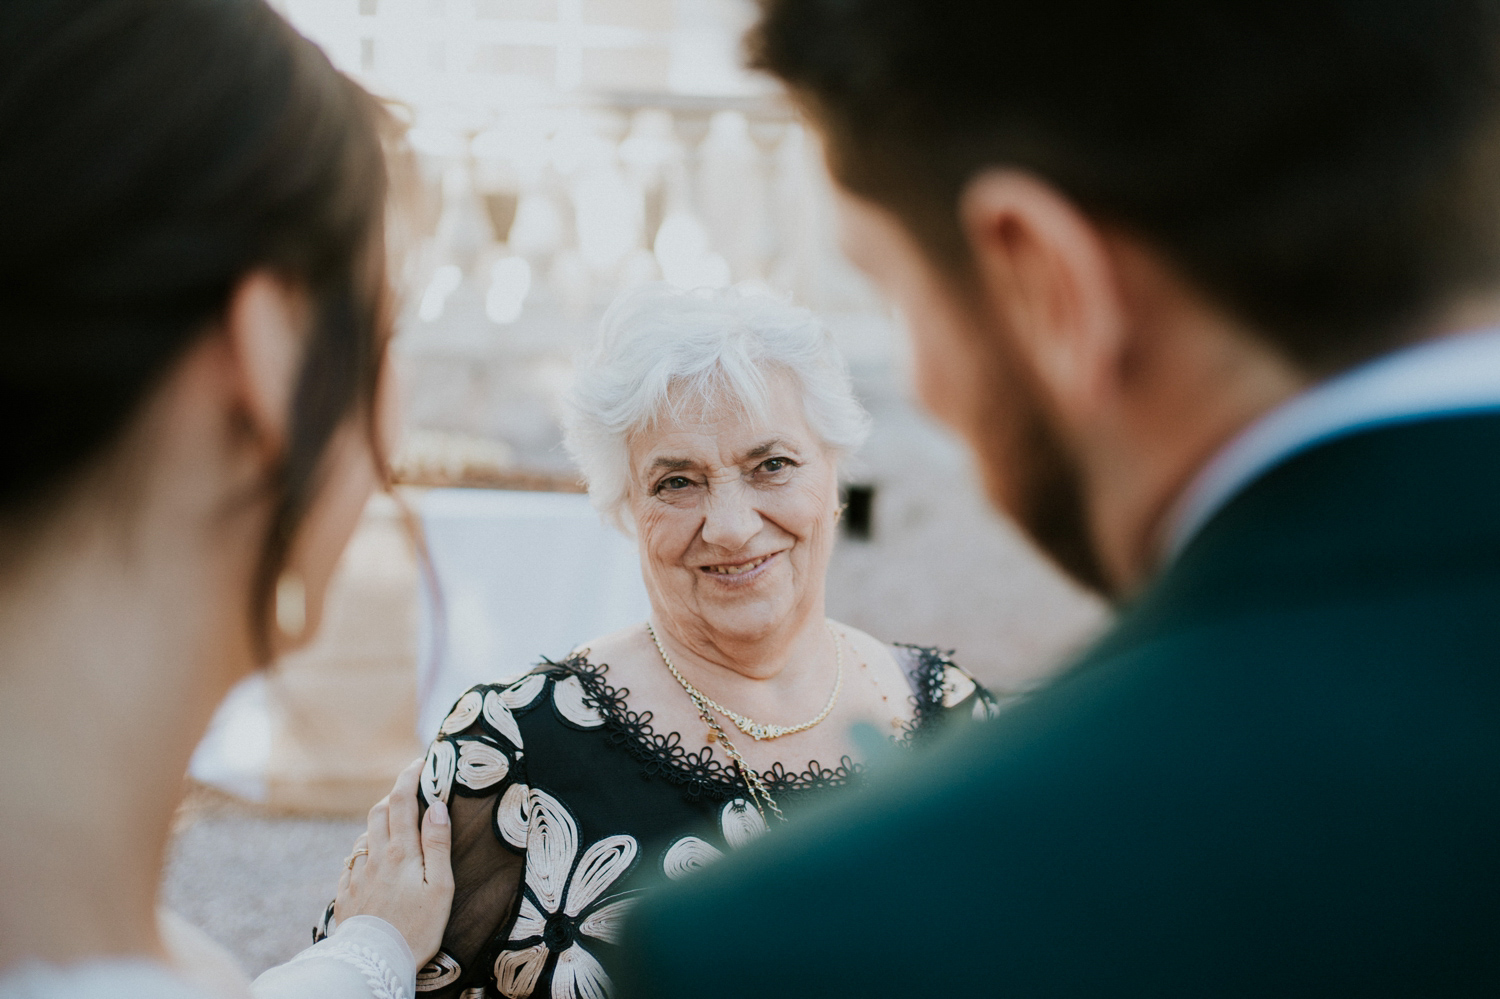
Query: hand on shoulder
400	870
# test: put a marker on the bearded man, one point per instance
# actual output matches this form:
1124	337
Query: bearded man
1211	288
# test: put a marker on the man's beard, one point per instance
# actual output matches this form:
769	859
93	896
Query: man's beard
1028	471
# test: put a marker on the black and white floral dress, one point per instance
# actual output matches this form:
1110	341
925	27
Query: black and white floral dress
566	804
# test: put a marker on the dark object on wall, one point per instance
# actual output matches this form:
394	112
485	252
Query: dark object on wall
859	511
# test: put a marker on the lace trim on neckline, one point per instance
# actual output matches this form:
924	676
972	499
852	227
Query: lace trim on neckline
702	774
931	675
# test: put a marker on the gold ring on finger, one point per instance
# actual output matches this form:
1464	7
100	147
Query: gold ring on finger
361	852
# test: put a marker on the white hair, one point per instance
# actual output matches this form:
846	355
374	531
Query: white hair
658	348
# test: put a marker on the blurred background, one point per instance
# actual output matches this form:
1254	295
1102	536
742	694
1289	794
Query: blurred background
562	151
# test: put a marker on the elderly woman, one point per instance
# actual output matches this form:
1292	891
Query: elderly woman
711	426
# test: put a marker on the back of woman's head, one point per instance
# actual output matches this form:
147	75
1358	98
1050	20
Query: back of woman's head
152	153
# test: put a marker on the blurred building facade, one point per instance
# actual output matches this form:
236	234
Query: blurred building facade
566	150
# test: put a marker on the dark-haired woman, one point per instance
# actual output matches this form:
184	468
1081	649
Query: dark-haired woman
192	334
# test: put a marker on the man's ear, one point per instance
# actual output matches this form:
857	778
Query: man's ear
264	325
1047	275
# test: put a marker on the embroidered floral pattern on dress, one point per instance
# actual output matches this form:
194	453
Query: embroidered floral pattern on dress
740	822
521	692
480	764
686	855
498	716
562	901
573	704
563	869
474	762
513	815
438	770
441	970
463	714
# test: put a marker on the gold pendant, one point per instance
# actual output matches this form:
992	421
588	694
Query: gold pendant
712	736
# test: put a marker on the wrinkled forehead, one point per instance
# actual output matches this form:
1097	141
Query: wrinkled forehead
708	423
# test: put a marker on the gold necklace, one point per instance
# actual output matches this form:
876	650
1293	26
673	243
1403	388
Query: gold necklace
759	793
759	731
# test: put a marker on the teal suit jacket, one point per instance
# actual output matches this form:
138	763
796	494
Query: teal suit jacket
1279	774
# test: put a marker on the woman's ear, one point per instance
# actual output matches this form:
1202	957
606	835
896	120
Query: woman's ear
264	323
1046	274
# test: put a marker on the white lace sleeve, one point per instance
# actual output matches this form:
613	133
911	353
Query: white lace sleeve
365	958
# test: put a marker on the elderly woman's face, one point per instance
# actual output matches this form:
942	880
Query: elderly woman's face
735	517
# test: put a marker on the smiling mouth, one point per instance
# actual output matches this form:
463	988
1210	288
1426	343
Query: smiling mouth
739	569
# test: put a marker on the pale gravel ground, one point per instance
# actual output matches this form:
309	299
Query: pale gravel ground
256	883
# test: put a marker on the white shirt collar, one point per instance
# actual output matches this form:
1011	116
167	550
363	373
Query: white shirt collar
1449	375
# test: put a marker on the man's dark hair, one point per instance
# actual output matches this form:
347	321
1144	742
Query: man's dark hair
152	153
1326	170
